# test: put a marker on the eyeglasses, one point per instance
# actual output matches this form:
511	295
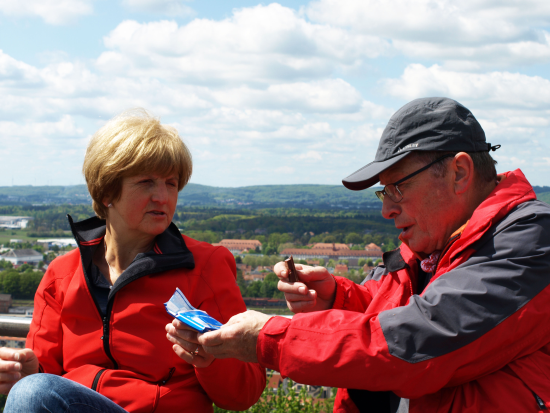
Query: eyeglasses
392	190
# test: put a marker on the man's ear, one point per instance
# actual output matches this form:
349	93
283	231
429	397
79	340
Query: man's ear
463	168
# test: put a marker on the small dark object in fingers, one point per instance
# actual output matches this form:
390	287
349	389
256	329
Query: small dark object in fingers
292	273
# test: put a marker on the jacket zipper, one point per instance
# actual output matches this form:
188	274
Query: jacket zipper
105	320
540	402
106	332
96	379
165	380
161	383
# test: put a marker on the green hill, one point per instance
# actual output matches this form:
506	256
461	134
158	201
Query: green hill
260	196
300	196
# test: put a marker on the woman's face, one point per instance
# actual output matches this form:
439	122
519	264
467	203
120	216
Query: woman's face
146	206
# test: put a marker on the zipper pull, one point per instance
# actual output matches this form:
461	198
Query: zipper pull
170	374
540	402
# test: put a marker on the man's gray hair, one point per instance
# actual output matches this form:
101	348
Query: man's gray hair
484	164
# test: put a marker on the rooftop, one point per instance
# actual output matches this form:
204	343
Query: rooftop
20	253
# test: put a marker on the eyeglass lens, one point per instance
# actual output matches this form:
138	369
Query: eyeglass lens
391	191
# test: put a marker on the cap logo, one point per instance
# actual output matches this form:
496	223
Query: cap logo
410	145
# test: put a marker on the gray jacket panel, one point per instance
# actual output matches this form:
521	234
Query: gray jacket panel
511	265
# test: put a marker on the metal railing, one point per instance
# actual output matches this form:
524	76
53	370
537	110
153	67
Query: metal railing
14	326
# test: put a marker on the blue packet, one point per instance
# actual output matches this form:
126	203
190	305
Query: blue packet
178	307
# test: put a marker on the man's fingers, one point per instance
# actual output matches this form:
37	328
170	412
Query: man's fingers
211	339
281	270
310	297
300	306
297	288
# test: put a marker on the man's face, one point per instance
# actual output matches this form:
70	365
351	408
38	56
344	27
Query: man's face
426	213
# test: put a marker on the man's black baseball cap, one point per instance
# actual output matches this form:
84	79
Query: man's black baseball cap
427	124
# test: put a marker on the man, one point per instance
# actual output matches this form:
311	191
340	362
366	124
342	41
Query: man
457	318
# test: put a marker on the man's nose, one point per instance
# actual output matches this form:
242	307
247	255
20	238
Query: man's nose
390	209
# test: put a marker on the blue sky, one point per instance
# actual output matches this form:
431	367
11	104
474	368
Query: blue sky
267	93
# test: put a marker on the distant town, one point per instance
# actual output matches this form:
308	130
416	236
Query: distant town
349	244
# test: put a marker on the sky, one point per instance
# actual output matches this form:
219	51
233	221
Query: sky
291	92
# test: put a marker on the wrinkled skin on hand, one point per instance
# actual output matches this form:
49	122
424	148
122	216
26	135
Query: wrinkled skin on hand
315	291
14	365
236	339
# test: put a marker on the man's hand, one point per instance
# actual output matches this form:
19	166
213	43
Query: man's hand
186	343
236	339
14	365
315	291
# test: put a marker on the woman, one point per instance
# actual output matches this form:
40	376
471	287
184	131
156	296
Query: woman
99	317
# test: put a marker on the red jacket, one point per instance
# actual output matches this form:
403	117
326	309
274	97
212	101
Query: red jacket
477	338
126	356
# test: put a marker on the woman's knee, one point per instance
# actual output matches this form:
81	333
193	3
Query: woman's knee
31	384
30	392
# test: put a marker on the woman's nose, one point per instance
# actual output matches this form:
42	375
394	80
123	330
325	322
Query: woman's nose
160	193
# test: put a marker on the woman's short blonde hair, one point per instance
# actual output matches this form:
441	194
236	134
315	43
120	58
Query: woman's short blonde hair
132	143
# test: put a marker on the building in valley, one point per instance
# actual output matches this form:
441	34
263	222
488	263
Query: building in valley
238	246
22	256
333	252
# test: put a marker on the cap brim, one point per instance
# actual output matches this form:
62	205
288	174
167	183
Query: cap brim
367	176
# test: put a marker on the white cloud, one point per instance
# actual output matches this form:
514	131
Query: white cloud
57	12
487	31
271	95
263	45
167	7
493	89
513	108
330	95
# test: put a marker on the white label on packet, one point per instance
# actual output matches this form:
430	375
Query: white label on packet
179	307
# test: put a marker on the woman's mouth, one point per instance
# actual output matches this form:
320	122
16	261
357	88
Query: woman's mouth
157	213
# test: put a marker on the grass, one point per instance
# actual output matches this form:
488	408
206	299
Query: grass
23	303
272	310
7	234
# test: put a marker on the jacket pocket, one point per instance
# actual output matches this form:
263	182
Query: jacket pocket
162	390
96	379
540	402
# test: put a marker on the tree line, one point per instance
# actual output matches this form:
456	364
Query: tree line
22	282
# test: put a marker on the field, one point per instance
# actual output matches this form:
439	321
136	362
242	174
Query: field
7	234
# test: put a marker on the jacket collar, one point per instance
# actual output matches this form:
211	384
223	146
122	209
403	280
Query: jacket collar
168	253
512	190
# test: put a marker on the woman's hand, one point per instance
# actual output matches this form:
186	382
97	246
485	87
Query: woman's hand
315	291
186	343
14	365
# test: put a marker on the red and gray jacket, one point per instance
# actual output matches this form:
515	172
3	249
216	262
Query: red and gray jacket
476	339
125	354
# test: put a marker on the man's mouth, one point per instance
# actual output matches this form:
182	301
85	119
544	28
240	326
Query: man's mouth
404	231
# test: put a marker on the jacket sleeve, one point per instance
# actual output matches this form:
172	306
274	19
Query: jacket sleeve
45	336
471	321
353	297
230	383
